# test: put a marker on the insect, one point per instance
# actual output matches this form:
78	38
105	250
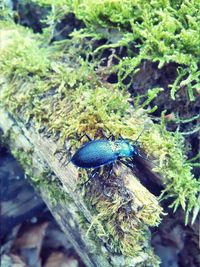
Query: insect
97	153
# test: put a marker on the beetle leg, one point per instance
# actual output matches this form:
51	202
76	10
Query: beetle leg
91	176
87	135
110	170
110	137
120	137
127	164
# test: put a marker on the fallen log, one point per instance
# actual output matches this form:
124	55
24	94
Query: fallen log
105	229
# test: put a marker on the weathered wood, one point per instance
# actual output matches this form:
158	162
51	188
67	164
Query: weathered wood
62	214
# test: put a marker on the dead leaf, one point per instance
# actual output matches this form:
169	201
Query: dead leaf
28	244
12	261
59	259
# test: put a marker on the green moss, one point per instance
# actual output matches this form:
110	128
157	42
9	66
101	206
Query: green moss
22	57
180	183
5	11
68	101
114	228
167	32
161	31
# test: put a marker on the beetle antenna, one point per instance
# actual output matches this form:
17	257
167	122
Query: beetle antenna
135	142
140	156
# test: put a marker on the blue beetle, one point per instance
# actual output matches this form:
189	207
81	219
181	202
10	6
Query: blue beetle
97	153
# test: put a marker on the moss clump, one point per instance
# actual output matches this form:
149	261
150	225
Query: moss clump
22	57
159	31
181	184
69	101
167	32
120	227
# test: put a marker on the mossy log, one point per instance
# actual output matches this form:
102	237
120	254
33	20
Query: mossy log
45	100
104	230
36	152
